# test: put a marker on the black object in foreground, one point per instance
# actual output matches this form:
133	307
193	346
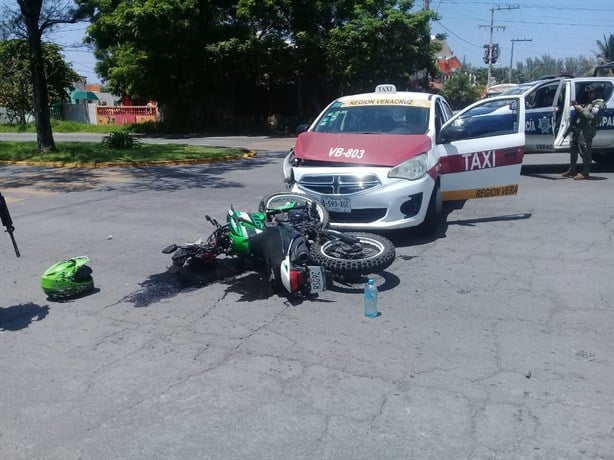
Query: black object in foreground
8	223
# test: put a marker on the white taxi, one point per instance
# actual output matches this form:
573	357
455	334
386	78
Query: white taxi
386	160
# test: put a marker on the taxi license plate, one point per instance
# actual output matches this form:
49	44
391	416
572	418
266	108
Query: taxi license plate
335	204
318	281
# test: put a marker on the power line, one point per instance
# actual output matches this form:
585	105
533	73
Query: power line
509	75
457	36
489	56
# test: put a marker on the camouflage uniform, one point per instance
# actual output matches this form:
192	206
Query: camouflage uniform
584	131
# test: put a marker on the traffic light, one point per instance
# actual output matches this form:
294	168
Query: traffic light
491	53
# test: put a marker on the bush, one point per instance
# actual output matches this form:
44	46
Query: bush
120	140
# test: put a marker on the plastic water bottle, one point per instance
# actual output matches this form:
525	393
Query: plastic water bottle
371	299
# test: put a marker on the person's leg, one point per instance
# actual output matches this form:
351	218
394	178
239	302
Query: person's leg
573	157
584	147
587	156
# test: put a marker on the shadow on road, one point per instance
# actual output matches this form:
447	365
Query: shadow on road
249	284
553	171
481	220
246	281
131	179
20	316
413	236
357	286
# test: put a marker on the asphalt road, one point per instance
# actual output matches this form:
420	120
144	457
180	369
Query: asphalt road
495	339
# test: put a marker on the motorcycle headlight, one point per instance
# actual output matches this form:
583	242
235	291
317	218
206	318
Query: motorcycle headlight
411	169
287	174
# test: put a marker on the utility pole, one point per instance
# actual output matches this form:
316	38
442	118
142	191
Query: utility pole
489	53
509	75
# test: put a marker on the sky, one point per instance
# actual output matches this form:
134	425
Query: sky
558	28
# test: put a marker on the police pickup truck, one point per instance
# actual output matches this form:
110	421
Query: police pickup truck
549	113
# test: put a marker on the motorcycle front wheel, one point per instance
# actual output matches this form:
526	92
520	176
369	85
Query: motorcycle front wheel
369	253
282	200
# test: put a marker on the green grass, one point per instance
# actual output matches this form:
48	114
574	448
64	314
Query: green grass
59	126
92	152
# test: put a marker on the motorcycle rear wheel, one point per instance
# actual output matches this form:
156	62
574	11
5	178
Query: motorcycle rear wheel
279	199
375	254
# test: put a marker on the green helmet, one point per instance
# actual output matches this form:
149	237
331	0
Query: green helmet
68	278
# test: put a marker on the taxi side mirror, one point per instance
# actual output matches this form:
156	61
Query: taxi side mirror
452	133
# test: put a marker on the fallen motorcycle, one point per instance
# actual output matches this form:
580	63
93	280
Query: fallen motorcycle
289	234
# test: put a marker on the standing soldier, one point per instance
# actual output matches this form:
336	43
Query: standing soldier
587	119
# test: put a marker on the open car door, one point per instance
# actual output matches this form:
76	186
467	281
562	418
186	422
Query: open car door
481	149
567	114
541	116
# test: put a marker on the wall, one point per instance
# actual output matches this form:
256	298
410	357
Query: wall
124	115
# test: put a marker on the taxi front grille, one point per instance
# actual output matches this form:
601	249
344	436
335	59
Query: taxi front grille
358	216
338	184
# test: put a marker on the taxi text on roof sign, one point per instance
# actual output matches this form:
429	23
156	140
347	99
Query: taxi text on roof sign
385	89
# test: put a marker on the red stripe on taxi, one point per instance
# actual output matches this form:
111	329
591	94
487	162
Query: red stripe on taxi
365	149
481	160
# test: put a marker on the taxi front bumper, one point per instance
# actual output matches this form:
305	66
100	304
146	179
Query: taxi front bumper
375	201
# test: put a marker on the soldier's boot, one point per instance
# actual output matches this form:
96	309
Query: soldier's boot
571	172
581	176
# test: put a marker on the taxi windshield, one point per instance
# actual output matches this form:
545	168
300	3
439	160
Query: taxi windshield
368	119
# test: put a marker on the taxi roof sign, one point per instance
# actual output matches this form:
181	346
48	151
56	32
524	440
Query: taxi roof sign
385	89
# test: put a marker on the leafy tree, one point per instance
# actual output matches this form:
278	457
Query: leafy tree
205	62
606	49
535	68
16	90
386	44
460	91
31	21
193	57
480	74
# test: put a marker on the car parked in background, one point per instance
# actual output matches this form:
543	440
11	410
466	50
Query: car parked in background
387	160
496	90
549	112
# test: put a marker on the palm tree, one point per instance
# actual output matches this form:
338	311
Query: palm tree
606	49
460	91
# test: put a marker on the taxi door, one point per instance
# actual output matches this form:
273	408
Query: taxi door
481	148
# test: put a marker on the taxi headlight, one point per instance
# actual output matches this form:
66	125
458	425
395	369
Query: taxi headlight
287	167
411	169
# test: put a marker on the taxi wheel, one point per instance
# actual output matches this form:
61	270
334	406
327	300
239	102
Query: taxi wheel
434	213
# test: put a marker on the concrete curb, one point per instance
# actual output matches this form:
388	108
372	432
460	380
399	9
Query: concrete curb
127	164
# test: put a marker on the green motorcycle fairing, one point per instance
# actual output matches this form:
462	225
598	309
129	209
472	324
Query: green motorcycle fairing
243	226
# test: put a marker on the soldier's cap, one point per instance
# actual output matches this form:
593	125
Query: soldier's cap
592	87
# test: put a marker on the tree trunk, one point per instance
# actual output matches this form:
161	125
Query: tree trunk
44	135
